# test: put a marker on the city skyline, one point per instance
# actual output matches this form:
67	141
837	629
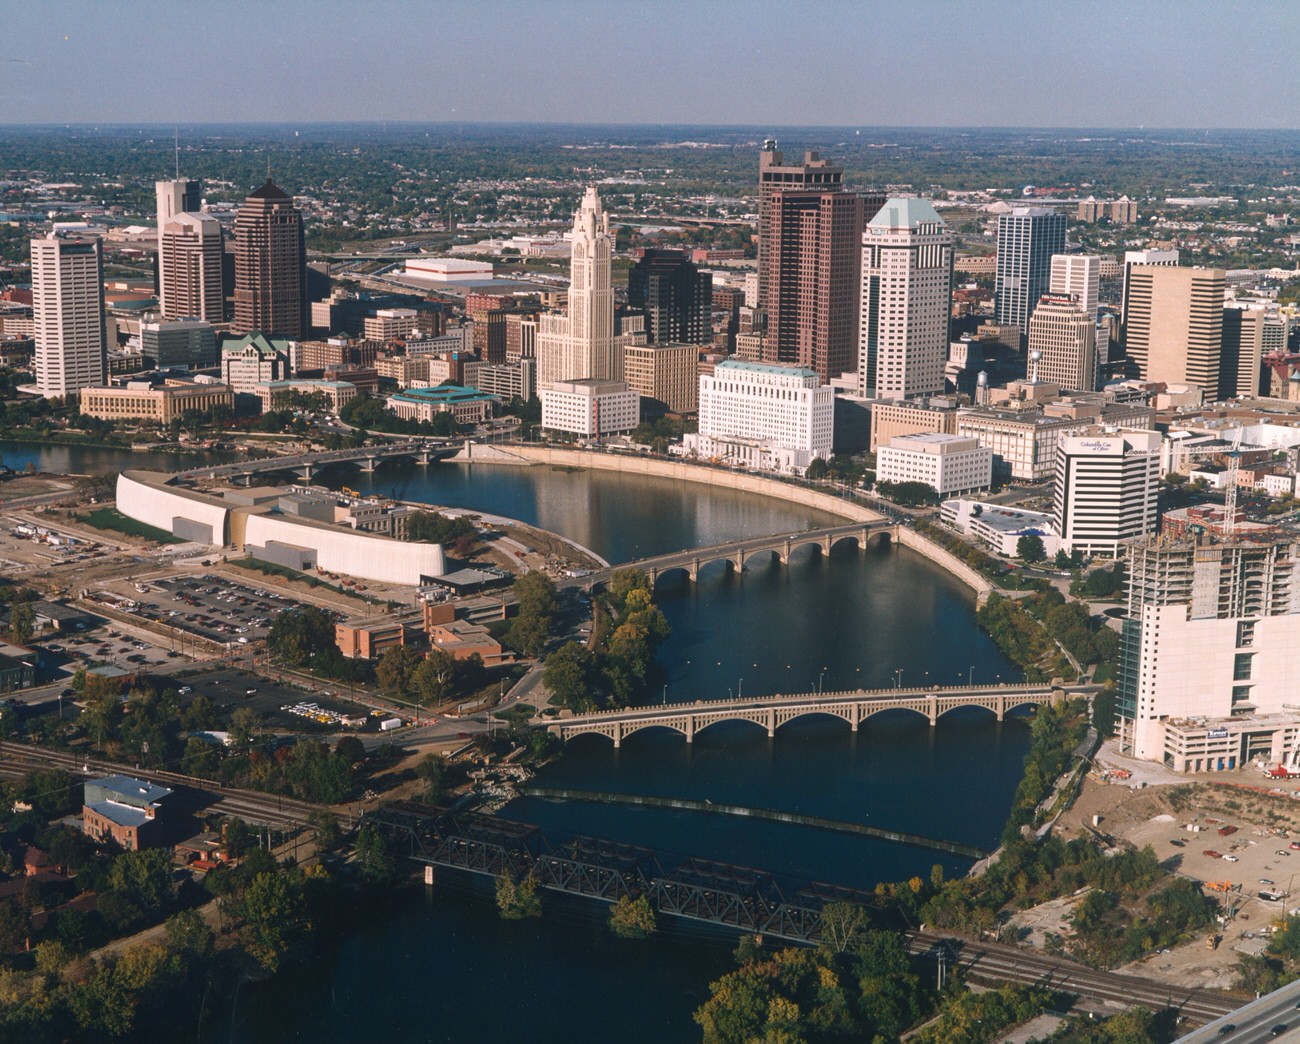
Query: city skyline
1161	66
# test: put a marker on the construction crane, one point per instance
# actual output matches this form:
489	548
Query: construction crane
1230	495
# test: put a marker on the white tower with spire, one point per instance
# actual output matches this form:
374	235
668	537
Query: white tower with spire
582	343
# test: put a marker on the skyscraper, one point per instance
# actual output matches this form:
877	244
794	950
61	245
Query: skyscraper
1077	274
675	295
809	264
1063	343
1027	239
906	292
775	176
270	260
1174	325
189	267
814	259
68	312
173	198
582	343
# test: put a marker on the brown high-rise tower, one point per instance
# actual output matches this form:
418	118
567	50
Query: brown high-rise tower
270	259
810	262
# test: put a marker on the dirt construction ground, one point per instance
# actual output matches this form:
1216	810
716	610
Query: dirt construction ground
1162	809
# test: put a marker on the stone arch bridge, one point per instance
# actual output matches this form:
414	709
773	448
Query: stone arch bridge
736	552
771	712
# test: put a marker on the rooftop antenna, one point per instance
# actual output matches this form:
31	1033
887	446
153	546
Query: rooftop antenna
177	131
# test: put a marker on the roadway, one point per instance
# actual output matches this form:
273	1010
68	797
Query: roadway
717	552
1255	1021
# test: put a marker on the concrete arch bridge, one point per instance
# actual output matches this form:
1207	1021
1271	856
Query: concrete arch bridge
736	552
771	712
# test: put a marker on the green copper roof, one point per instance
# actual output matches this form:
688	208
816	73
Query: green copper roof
905	212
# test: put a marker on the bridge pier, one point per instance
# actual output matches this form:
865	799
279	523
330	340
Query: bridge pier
1002	707
618	734
694	571
769	719
933	710
422	457
305	472
369	463
690	728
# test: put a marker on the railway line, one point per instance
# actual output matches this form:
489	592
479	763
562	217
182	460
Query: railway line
17	759
995	962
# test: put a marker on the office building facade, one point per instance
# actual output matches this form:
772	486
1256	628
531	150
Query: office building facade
1063	343
189	269
191	343
757	415
1027	239
1078	275
1207	653
1107	490
68	315
270	264
173	198
1173	326
906	299
676	297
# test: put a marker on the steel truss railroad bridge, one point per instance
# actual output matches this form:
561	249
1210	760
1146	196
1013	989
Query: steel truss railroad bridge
746	900
771	712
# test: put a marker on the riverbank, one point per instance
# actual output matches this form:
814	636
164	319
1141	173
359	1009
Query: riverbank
701	474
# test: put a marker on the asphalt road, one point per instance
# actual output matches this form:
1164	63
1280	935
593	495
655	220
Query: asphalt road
1255	1021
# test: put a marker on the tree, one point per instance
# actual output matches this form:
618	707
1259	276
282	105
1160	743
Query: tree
351	748
537	603
816	470
433	679
841	924
374	859
1030	548
274	915
244	724
518	898
395	669
430	768
189	934
632	918
567	676
22	623
296	634
144	877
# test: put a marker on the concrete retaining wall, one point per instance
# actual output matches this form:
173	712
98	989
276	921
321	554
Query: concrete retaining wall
719	478
944	558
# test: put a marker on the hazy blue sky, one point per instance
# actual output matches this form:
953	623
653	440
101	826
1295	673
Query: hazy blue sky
1181	63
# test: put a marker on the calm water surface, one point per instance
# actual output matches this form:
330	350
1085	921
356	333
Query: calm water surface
445	968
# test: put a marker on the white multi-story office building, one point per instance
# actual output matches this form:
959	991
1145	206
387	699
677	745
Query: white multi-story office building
948	464
1208	653
764	416
1077	274
906	300
174	198
1028	237
590	408
1063	343
1106	491
189	268
68	315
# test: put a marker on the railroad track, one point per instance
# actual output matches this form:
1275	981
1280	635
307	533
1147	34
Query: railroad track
999	963
18	759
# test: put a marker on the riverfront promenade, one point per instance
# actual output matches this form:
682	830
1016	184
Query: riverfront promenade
771	712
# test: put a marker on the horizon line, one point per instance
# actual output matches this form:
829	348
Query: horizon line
375	122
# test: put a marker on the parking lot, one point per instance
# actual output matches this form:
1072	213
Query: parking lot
212	607
104	644
231	688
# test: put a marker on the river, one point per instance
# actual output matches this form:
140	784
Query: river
445	968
